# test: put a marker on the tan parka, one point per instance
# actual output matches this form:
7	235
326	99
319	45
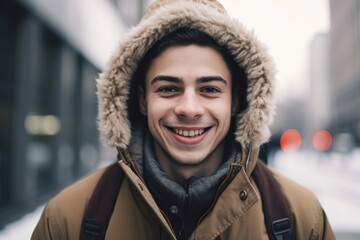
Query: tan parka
136	214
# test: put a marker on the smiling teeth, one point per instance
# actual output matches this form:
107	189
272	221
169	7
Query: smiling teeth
191	133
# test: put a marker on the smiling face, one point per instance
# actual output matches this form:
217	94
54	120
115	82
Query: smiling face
188	104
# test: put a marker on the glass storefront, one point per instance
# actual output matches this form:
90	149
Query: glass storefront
48	111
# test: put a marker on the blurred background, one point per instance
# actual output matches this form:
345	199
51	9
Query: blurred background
51	52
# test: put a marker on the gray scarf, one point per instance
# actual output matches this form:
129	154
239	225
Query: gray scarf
184	203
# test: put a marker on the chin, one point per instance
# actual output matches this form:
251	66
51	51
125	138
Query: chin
189	160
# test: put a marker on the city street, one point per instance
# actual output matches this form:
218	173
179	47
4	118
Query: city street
69	81
334	178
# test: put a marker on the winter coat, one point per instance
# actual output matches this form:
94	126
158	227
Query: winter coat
136	214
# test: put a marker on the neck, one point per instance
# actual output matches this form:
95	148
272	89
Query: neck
182	171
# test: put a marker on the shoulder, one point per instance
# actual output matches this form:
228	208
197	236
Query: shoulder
298	197
294	192
62	216
78	192
308	214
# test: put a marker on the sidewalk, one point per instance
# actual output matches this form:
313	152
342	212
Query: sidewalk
334	179
23	228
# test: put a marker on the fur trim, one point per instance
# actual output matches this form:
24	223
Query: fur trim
249	53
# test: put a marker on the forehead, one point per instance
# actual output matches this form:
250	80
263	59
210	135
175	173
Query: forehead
189	62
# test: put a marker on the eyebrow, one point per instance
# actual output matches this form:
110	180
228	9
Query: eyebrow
179	80
210	79
166	78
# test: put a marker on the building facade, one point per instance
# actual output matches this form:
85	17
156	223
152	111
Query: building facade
51	52
345	68
319	68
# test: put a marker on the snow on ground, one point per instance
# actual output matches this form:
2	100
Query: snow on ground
23	228
334	178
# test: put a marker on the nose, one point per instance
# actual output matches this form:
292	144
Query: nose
189	106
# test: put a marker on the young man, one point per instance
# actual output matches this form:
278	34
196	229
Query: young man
187	100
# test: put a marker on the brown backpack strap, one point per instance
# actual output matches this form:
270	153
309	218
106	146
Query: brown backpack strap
101	204
276	210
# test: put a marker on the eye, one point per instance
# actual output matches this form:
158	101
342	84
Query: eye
209	90
167	89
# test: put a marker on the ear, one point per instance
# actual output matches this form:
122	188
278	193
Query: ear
142	101
234	104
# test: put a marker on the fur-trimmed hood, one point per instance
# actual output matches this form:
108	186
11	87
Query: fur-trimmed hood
163	17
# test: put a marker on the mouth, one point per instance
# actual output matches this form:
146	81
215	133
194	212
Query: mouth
189	133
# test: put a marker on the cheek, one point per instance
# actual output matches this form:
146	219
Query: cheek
157	106
157	109
221	109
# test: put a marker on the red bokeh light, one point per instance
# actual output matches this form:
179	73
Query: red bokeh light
322	140
290	140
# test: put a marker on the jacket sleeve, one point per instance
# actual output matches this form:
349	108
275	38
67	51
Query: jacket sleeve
63	215
310	220
46	229
328	233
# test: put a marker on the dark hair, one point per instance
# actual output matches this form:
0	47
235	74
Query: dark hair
183	37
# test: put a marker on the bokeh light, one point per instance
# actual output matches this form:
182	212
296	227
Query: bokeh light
322	140
290	140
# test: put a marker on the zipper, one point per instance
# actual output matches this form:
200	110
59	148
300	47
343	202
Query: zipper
185	212
124	155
